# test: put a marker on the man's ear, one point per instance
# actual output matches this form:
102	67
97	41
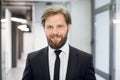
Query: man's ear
69	27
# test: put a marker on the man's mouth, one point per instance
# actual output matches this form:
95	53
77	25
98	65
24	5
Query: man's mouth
55	39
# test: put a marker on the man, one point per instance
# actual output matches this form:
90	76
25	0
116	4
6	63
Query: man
59	60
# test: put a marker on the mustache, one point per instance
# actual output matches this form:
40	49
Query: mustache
55	35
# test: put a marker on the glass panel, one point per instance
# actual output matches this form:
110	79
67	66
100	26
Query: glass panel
118	10
117	41
102	41
99	77
117	52
100	3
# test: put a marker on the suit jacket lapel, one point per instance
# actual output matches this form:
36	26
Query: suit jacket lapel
45	64
72	63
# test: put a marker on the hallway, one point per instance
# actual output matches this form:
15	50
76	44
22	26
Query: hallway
95	30
16	73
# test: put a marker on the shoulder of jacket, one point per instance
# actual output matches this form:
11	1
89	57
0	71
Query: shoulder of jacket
80	52
38	52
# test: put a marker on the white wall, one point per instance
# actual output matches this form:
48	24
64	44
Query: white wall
3	48
6	42
80	35
27	43
39	39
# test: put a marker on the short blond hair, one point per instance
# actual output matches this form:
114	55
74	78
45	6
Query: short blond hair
53	11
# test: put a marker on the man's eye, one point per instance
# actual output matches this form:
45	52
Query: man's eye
60	26
49	27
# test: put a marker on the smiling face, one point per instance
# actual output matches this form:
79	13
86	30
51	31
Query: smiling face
56	30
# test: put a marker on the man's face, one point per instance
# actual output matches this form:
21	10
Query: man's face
56	30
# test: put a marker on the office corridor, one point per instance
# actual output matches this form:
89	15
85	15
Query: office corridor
95	29
16	73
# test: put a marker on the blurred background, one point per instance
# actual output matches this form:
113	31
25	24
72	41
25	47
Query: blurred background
95	29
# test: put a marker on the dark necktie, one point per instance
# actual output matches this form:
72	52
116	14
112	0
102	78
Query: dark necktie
57	65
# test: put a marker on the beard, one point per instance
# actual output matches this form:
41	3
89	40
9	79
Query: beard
55	44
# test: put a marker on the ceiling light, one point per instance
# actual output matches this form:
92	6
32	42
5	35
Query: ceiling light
3	20
23	28
18	20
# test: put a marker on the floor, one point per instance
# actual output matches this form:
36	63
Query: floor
16	73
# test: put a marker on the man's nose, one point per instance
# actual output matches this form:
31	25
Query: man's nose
55	30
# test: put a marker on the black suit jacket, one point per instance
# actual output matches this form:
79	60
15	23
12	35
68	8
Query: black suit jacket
80	66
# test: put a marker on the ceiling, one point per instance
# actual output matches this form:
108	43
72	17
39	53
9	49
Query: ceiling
23	8
18	8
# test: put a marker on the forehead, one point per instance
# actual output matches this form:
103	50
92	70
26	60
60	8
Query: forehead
56	17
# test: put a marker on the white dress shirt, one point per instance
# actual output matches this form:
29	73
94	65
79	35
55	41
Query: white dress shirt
63	61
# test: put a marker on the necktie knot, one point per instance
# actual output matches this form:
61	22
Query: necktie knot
57	52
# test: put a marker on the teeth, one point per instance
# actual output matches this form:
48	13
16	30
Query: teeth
55	37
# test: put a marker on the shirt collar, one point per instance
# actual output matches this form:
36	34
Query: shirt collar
64	48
